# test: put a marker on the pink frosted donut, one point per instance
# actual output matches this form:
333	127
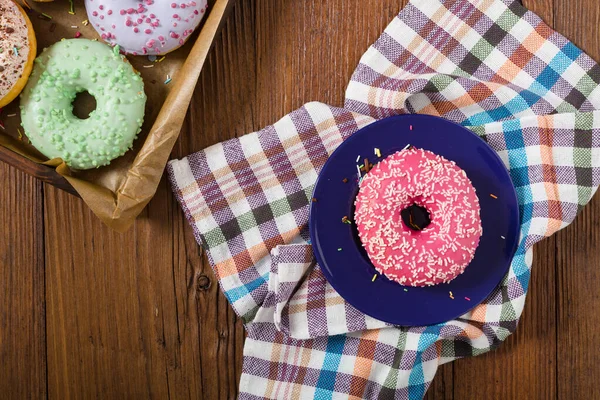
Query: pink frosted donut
145	27
418	218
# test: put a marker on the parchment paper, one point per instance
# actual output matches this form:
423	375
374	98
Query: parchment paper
118	193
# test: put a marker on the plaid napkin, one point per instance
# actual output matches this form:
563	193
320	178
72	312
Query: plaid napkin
490	65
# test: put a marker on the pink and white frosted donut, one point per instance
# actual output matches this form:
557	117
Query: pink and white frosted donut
146	27
436	249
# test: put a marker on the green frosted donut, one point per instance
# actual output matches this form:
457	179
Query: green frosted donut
61	72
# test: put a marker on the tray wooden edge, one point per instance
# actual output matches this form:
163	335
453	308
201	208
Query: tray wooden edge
42	172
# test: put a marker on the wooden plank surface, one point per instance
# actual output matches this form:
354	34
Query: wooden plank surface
22	309
88	313
578	250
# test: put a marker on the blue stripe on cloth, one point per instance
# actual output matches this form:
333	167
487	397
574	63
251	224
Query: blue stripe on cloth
237	293
539	88
519	173
520	269
571	51
524	196
521	102
520	176
559	64
416	380
547	78
333	355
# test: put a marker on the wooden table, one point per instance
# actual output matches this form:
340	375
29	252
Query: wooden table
89	313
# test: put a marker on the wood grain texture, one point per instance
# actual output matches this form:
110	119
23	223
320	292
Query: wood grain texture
578	256
89	313
22	320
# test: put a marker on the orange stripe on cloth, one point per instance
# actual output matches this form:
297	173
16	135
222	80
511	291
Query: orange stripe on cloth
274	364
479	313
304	362
363	363
555	213
284	359
248	258
298	350
472	332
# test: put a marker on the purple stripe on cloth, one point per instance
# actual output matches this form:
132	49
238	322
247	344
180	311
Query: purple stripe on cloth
355	320
315	305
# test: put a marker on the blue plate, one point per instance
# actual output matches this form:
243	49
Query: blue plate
350	272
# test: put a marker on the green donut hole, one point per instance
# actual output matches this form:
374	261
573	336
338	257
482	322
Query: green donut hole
83	105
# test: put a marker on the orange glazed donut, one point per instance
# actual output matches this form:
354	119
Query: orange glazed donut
18	49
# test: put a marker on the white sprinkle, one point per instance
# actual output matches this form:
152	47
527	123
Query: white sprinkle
11	115
503	238
74	26
149	66
358	169
358	158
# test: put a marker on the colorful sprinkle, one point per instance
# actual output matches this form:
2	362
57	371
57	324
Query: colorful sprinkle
16	50
374	277
345	180
451	296
85	23
339	249
411	127
168	80
378	152
77	35
493	196
46	15
467	299
406	290
314	199
71	7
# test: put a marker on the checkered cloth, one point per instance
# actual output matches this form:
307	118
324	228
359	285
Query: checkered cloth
490	65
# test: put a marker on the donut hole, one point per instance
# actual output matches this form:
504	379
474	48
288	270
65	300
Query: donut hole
83	105
415	217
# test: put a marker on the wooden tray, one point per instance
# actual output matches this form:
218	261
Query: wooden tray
48	174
